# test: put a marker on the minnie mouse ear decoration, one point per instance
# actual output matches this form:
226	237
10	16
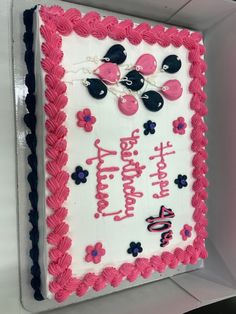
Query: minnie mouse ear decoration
133	80
108	72
116	54
171	64
96	88
152	100
146	64
172	89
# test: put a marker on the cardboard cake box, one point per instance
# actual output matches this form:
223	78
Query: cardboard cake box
216	278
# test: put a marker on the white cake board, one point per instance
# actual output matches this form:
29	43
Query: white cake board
22	169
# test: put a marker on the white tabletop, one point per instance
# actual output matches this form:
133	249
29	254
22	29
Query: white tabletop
180	299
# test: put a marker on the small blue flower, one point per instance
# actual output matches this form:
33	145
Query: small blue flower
181	181
80	175
149	127
135	248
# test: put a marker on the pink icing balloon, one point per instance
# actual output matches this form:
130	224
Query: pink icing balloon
108	72
146	64
128	105
172	89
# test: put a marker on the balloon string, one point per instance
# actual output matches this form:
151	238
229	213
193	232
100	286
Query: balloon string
117	91
84	70
105	59
71	67
113	90
144	97
96	59
127	66
151	83
125	79
84	81
163	88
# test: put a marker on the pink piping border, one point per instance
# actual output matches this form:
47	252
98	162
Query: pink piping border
58	23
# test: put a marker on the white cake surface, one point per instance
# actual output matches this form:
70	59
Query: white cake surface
110	128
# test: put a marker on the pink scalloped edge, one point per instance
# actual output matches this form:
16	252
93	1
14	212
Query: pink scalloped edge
57	23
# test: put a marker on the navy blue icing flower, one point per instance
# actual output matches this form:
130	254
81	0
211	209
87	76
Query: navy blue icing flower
80	175
135	248
181	181
149	127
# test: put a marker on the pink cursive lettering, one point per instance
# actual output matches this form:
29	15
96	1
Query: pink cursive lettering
161	165
103	173
131	170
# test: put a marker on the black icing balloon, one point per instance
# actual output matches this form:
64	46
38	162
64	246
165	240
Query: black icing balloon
171	64
96	88
116	54
152	100
133	80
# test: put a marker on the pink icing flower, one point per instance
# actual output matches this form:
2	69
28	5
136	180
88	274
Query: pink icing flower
85	120
186	232
94	253
179	126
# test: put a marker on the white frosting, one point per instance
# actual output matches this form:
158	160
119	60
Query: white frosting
111	125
